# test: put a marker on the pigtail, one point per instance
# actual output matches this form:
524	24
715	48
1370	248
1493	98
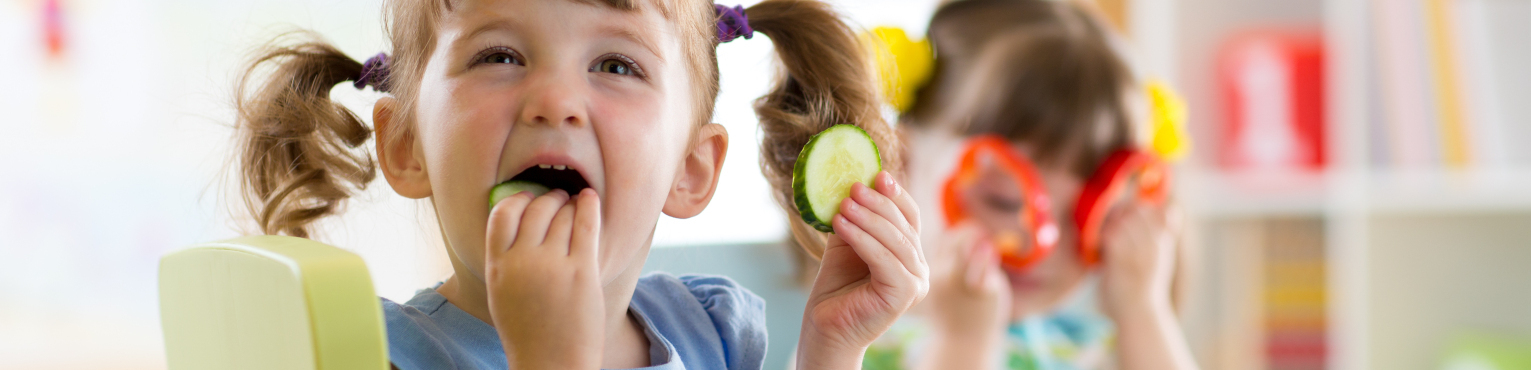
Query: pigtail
301	153
825	81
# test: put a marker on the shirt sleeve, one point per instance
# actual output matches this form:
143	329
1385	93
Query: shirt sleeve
737	314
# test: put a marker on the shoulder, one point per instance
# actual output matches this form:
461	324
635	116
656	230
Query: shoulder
720	296
413	339
429	333
737	316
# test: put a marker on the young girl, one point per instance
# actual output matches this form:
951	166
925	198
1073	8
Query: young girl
608	103
1046	77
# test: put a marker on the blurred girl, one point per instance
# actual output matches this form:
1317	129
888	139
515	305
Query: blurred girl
608	103
1046	79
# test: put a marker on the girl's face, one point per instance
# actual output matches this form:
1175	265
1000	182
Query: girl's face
994	202
514	86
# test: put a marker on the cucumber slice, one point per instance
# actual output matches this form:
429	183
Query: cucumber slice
509	188
831	162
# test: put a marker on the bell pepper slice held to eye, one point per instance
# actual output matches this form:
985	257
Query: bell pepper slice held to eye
989	150
1125	173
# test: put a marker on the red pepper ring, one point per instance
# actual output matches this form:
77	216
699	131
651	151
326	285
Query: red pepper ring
1106	185
1035	210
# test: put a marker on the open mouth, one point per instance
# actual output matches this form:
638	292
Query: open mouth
554	177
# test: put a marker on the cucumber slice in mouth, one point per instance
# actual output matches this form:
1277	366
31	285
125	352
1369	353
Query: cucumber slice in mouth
509	188
538	181
831	162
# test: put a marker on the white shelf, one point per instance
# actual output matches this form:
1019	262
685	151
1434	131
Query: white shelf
1252	194
1221	194
1444	191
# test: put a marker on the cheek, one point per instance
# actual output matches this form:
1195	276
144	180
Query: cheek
641	137
462	132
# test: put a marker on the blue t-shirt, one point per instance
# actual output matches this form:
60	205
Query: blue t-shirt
692	322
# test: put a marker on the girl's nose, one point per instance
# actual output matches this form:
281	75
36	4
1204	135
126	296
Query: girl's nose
556	98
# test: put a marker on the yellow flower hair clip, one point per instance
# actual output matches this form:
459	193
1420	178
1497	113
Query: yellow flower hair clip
1167	119
903	65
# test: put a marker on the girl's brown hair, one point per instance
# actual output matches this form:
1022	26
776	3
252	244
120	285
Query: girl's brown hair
826	80
302	153
1046	73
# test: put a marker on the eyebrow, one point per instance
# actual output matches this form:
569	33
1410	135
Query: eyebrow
605	31
487	27
634	37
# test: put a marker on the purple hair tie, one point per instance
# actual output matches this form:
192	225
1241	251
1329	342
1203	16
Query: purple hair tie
732	23
375	73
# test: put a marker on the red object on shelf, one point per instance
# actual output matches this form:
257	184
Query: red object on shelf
53	28
1272	84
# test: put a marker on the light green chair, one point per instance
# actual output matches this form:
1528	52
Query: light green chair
270	302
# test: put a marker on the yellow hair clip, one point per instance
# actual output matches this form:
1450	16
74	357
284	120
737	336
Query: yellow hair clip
903	65
1167	117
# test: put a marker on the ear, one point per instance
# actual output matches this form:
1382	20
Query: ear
401	160
699	173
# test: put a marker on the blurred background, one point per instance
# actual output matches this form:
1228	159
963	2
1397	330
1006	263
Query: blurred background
1359	190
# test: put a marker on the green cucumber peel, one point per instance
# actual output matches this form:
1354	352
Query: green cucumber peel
509	188
833	160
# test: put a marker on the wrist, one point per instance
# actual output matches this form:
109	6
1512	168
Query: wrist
1143	311
970	345
814	351
550	358
1139	301
969	334
813	355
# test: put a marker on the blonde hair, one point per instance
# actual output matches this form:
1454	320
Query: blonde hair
302	154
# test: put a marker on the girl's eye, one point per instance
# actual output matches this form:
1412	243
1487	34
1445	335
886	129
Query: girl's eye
501	58
1003	204
614	66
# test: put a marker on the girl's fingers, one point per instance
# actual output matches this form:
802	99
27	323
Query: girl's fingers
587	225
882	207
504	220
882	230
534	223
901	199
557	240
879	260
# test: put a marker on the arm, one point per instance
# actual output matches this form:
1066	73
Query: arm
1149	337
1137	271
873	271
969	303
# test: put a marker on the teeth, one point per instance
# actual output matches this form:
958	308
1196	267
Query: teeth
543	166
559	167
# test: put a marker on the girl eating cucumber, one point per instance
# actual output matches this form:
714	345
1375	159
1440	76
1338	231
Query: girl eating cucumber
549	136
1026	139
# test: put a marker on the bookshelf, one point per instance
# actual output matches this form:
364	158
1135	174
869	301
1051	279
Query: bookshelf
1408	248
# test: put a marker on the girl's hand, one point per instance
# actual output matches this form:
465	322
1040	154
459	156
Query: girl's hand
1138	259
1137	268
873	271
969	292
544	289
969	302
